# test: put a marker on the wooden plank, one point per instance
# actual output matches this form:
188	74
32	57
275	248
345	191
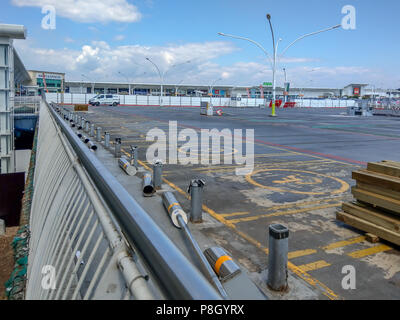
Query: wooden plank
374	216
378	179
372	238
368	227
384	168
387	203
392	163
375	189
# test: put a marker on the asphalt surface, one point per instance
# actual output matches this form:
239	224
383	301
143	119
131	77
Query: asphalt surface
302	174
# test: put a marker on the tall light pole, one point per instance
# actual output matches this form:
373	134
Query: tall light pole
274	59
127	79
210	88
284	88
84	76
162	74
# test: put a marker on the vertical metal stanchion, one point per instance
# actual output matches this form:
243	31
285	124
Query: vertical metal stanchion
106	139
278	257
92	130
83	123
98	134
157	174
117	148
87	126
134	156
196	195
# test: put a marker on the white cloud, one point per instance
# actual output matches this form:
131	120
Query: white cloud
119	37
88	11
101	62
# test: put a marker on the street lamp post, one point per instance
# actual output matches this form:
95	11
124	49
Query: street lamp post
93	84
284	89
162	75
273	60
128	80
210	88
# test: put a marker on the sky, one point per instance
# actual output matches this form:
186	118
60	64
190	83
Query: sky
109	40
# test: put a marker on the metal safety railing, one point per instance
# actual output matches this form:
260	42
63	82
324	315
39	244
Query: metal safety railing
27	105
89	238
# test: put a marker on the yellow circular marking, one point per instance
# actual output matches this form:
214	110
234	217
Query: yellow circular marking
174	204
344	185
219	262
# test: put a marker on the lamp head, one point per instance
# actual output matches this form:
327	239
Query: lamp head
268	16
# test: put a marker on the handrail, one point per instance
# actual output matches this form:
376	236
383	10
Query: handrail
177	277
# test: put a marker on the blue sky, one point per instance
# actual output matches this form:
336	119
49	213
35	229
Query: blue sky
100	38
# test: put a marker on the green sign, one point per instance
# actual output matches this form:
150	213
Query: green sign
267	84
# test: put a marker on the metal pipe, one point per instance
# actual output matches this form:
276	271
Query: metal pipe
106	139
126	166
98	134
117	148
92	146
196	200
147	186
204	263
278	257
178	278
92	130
179	219
85	139
134	155
157	174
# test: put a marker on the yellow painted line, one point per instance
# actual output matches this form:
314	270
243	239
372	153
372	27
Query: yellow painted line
301	253
366	252
300	273
314	265
263	165
284	213
234	214
344	243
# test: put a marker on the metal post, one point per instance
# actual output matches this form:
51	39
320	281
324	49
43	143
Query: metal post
157	174
148	188
98	134
117	146
106	139
179	219
92	130
87	126
134	156
278	257
196	200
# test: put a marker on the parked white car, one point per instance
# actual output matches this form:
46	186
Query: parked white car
105	99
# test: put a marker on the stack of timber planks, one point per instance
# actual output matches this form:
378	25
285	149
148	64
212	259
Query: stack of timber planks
377	209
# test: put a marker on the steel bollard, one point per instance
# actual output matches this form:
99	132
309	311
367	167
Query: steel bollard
134	156
98	134
157	174
117	148
85	139
87	126
148	189
126	166
196	200
278	257
83	123
91	146
92	130
106	139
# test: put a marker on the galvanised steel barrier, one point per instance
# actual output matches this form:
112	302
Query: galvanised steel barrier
89	238
27	105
